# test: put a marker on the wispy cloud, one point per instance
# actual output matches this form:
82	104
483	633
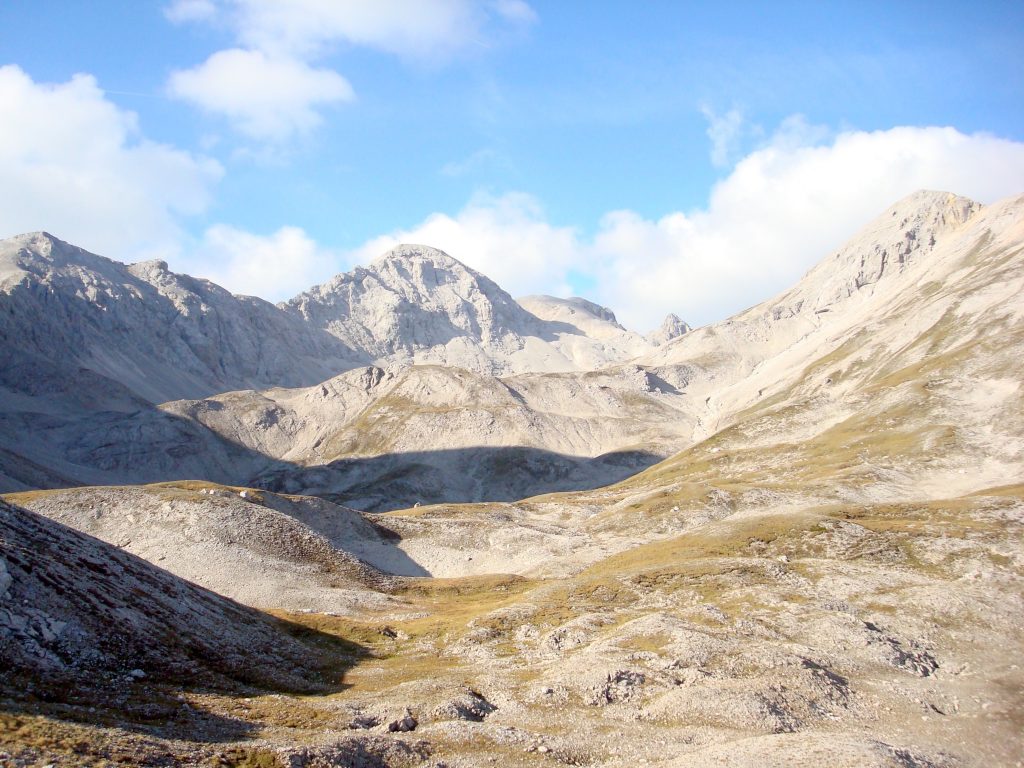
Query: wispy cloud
725	131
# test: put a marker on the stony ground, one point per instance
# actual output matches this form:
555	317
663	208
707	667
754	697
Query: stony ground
873	634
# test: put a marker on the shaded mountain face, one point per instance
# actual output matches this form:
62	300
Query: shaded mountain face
89	344
154	333
63	592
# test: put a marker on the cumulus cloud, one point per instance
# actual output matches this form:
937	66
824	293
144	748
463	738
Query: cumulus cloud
75	164
507	238
274	267
783	208
268	85
268	98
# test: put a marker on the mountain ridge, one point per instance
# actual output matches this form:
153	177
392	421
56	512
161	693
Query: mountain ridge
426	413
789	538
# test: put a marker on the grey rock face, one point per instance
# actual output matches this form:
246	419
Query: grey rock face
414	298
161	335
66	591
672	327
88	345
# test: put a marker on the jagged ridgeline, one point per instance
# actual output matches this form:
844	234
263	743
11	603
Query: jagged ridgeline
147	376
406	520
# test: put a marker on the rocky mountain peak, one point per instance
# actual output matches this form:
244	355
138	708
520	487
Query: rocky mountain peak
671	327
903	235
415	252
411	299
41	251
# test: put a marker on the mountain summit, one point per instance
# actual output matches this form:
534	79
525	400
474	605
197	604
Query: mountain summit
417	299
159	334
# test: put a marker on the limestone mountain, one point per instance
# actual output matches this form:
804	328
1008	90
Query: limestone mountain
388	437
826	568
157	334
672	327
417	305
89	344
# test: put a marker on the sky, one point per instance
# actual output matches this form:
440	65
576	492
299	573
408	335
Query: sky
655	157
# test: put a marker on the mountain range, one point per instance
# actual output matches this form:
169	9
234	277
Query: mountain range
512	530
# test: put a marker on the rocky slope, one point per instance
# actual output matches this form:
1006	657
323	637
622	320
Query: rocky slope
262	549
89	345
829	572
158	334
835	575
79	616
752	352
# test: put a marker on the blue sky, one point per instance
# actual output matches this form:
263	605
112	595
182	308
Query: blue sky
658	156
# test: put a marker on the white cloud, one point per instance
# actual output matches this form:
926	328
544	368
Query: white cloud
76	165
268	98
506	238
184	11
515	10
274	267
409	28
268	85
781	210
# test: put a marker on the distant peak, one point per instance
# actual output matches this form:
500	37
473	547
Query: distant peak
672	327
594	309
38	238
930	199
545	307
417	252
